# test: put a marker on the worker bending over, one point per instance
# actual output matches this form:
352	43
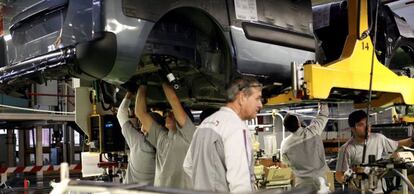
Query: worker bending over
350	154
303	150
171	141
141	164
220	156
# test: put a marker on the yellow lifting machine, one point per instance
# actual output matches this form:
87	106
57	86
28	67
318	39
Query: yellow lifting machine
351	71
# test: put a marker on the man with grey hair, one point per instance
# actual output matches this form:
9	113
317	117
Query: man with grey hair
220	155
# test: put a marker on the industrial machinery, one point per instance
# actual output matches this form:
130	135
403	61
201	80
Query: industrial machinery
363	73
355	43
362	69
366	176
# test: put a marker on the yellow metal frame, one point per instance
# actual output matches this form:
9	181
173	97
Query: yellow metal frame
407	119
352	70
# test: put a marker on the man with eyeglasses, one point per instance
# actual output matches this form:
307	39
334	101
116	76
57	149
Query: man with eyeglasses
171	141
220	157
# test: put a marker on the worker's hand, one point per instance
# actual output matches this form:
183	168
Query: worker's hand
348	175
143	80
131	86
163	76
324	109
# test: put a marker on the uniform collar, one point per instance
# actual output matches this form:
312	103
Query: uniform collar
227	109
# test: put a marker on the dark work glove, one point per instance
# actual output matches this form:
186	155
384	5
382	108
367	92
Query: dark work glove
143	79
163	76
131	86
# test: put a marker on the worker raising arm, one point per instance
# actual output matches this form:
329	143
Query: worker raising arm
141	162
303	150
171	141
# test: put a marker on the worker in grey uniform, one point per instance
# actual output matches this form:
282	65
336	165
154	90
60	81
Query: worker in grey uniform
220	156
171	141
350	154
141	164
303	150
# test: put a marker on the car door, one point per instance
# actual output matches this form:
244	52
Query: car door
268	35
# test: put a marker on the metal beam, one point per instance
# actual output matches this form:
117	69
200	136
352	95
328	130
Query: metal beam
36	116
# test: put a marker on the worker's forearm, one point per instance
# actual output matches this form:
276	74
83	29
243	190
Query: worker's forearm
124	104
170	94
141	109
128	95
122	114
405	142
177	108
141	101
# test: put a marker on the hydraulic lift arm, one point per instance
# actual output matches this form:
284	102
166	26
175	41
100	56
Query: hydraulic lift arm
352	70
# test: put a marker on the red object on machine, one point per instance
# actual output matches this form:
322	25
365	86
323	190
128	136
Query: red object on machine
111	165
26	184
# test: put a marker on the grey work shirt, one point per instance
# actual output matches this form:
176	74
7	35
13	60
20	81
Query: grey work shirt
220	156
303	150
141	164
350	154
171	148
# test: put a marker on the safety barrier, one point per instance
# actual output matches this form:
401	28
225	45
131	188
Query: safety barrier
33	169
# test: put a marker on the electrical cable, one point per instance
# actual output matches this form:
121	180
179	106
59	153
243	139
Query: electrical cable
405	179
371	75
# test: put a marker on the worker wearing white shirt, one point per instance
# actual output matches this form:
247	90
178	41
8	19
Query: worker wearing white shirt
220	155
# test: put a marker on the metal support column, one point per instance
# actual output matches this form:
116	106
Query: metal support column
11	143
22	143
71	145
39	153
65	143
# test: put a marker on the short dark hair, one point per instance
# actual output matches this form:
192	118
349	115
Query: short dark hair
187	111
291	123
241	84
356	116
157	118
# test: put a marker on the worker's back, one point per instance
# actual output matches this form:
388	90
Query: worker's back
305	153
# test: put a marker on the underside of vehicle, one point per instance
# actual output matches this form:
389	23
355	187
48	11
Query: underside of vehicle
200	54
195	50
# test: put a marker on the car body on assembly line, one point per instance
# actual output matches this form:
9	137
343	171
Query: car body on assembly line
205	43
